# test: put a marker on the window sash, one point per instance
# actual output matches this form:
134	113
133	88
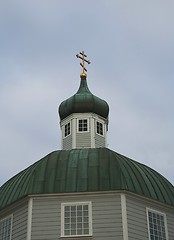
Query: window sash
67	131
6	228
83	125
157	225
99	128
76	219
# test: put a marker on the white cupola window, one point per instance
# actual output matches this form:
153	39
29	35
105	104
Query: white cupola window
83	125
99	128
67	129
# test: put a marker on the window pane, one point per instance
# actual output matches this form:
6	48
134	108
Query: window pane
67	226
79	231
79	219
86	231
79	207
73	208
73	220
67	214
85	225
85	219
67	232
73	226
79	225
67	208
67	220
85	207
73	214
79	213
85	213
73	232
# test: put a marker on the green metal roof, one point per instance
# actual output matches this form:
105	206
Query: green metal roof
83	102
86	170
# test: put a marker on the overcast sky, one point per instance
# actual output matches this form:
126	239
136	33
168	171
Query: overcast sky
130	44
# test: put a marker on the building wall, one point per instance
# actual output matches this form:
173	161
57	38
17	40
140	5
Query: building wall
106	216
83	140
19	226
99	140
19	220
45	219
170	224
137	217
108	220
67	142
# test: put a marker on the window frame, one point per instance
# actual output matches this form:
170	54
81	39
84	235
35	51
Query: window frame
150	210
78	123
63	205
10	217
99	127
67	132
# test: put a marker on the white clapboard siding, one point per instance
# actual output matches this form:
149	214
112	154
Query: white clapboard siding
83	140
137	217
106	216
19	225
67	142
99	141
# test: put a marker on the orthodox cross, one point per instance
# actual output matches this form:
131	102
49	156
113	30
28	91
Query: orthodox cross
82	56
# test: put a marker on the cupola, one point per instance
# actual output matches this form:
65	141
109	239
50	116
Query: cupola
84	116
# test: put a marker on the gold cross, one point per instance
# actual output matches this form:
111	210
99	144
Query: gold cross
82	56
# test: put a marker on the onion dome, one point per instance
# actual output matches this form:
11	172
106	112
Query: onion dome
86	170
83	102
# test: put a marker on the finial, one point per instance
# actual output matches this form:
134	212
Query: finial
82	56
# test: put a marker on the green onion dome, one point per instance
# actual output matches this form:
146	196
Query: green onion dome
86	170
83	102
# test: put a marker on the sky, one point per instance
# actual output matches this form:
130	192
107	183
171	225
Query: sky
130	46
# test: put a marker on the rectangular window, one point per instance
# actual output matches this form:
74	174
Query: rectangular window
67	129
100	128
83	125
76	219
5	228
157	225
